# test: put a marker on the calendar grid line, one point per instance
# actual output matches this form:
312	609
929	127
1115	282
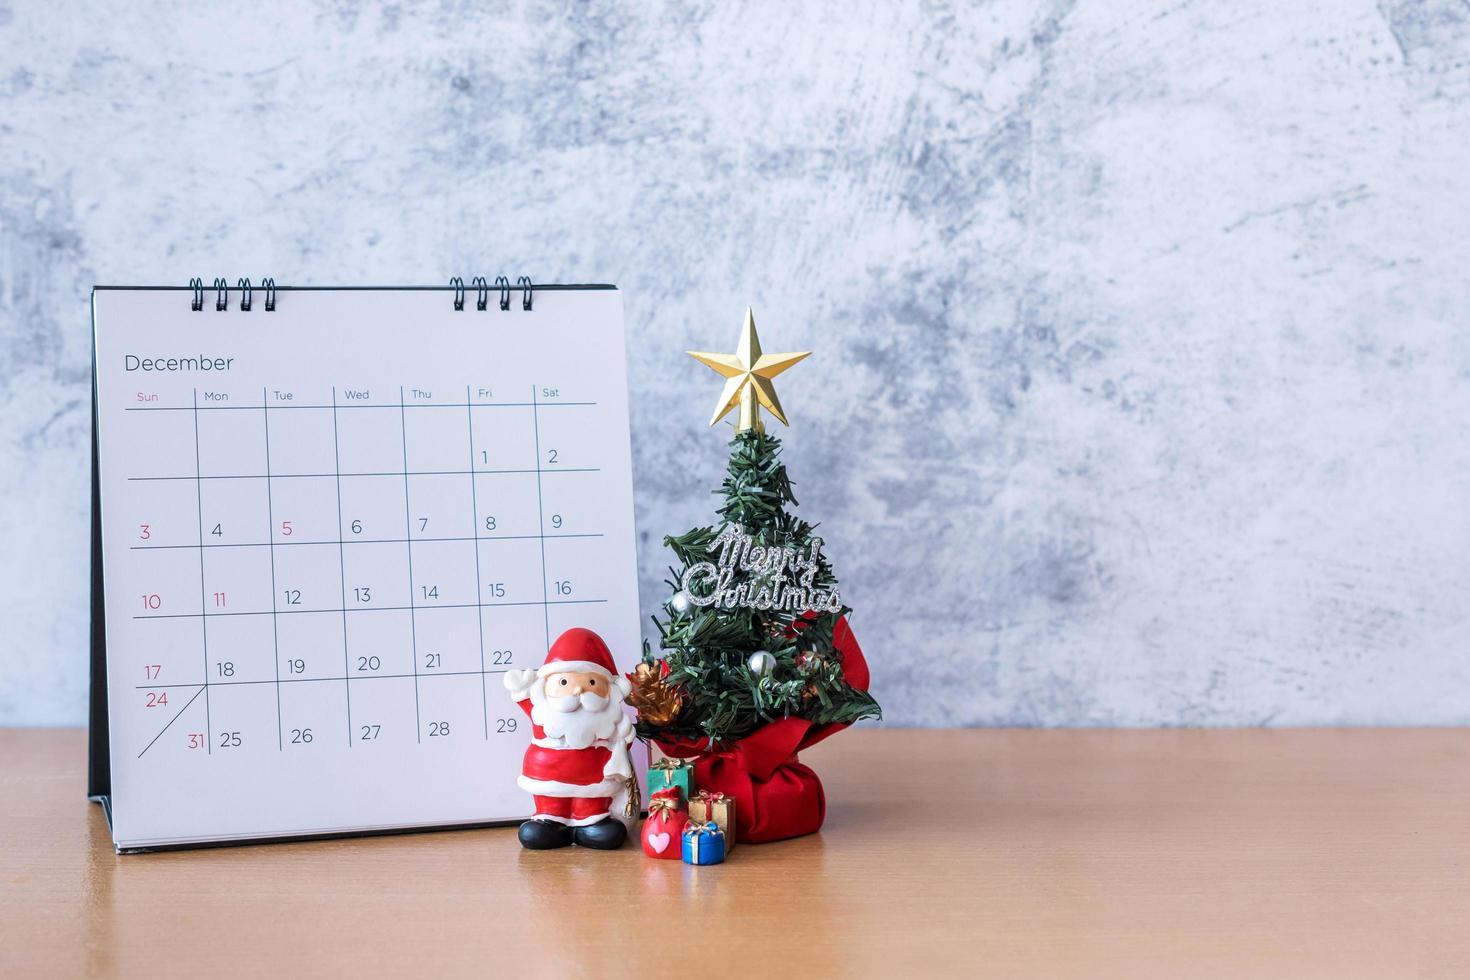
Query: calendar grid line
341	566
270	517
202	688
453	405
343	541
418	722
479	584
540	518
372	609
324	476
203	622
319	680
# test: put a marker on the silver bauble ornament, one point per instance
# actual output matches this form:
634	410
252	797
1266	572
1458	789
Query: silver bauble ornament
679	604
761	663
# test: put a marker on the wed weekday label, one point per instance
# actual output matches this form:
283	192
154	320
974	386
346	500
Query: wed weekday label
328	529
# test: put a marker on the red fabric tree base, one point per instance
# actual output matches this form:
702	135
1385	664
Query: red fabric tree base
776	796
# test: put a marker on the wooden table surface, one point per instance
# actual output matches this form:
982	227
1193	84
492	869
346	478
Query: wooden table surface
1322	853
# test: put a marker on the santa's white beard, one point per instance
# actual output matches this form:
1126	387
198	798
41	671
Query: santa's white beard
593	718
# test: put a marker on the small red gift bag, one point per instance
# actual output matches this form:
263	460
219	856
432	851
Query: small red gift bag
665	824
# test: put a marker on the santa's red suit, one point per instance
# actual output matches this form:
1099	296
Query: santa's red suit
574	785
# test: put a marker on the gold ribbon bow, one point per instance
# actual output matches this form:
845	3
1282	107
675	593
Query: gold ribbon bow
663	804
696	829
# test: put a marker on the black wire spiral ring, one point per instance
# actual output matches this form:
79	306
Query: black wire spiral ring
197	285
525	283
221	294
244	286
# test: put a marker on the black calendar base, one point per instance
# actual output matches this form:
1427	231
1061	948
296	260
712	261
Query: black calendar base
543	835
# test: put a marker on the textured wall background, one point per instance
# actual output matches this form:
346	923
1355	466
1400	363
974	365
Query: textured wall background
1143	370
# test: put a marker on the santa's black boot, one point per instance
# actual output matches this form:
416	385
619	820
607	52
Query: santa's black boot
607	834
543	835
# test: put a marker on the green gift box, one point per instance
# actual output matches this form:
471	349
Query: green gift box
671	773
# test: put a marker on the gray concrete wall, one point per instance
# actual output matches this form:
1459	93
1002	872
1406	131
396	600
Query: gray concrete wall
1142	368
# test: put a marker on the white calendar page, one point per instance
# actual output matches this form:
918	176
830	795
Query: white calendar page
327	530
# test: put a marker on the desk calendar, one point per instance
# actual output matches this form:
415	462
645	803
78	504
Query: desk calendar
325	522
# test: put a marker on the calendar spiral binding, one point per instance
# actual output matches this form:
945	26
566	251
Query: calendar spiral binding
222	294
482	288
479	284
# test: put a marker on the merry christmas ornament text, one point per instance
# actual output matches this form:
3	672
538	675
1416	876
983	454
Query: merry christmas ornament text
713	583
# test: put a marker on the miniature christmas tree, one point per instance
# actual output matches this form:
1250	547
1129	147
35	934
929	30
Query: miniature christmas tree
749	636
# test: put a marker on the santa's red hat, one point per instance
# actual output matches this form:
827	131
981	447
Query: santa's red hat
581	649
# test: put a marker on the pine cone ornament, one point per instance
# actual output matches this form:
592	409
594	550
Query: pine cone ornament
657	703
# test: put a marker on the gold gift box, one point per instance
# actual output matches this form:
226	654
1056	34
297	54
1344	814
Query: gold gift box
705	806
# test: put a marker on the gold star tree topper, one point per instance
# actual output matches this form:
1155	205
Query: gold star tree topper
748	374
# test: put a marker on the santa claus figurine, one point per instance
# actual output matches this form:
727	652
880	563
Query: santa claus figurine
578	759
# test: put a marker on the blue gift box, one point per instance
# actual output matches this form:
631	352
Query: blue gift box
704	844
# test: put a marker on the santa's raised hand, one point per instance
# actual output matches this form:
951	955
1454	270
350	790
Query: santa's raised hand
518	682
